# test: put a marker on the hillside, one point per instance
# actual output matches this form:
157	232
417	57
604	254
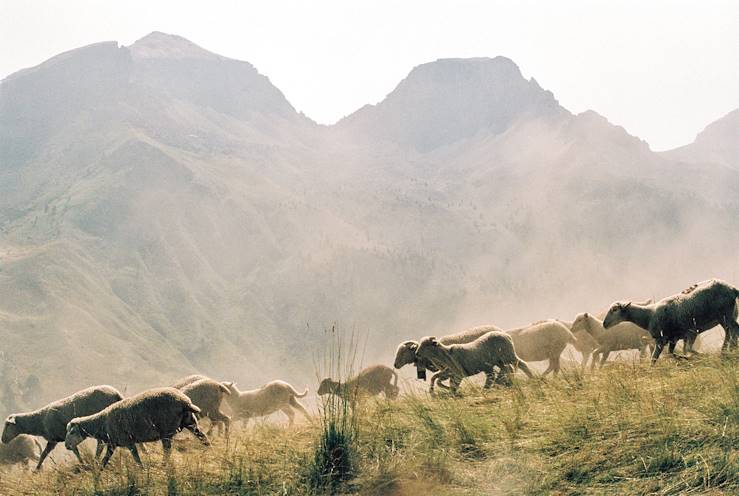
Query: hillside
628	429
164	209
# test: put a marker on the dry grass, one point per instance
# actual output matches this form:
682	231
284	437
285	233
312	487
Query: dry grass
628	429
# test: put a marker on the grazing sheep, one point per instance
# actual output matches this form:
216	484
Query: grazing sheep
273	396
683	316
154	415
544	340
371	381
457	361
624	336
50	422
406	353
20	449
188	380
208	395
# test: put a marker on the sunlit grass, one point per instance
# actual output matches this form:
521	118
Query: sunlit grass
627	429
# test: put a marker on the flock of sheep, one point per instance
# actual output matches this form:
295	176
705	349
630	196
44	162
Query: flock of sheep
102	413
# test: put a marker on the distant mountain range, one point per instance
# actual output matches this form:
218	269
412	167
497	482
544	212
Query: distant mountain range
164	209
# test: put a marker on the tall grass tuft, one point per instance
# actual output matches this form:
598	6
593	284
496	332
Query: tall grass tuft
335	455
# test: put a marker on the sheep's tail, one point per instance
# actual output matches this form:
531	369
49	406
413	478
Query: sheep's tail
524	368
299	395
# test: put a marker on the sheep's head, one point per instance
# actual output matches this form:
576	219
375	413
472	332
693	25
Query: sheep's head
11	429
616	314
581	323
327	386
406	354
430	349
74	436
231	386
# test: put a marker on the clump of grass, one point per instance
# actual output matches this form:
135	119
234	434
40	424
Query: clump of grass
334	457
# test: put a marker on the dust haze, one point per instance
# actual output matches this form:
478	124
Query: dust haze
165	210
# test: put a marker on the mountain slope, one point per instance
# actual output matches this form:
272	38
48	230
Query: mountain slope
168	206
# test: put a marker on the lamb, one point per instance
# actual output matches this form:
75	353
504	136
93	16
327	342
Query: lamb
684	315
208	395
624	336
457	361
371	381
544	340
406	352
50	422
154	415
273	396
20	449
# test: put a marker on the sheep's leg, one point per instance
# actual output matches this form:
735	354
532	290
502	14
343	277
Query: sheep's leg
290	415
505	375
223	421
438	377
298	406
595	356
99	449
585	357
671	349
731	334
549	368
49	446
76	452
108	454
135	454
454	383
166	448
604	356
490	379
660	343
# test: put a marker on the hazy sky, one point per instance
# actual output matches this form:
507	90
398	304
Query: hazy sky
661	69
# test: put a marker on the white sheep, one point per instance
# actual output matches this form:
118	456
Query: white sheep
208	395
457	361
273	396
50	421
624	336
371	381
154	415
406	352
543	340
20	449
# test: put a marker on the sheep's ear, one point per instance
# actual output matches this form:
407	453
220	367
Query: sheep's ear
228	384
585	315
10	419
434	341
413	346
627	305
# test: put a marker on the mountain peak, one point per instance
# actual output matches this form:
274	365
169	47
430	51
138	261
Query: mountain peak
447	100
157	45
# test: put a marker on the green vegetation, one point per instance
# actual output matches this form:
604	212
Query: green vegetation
627	429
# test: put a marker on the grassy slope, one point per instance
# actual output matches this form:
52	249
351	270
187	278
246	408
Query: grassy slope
629	429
